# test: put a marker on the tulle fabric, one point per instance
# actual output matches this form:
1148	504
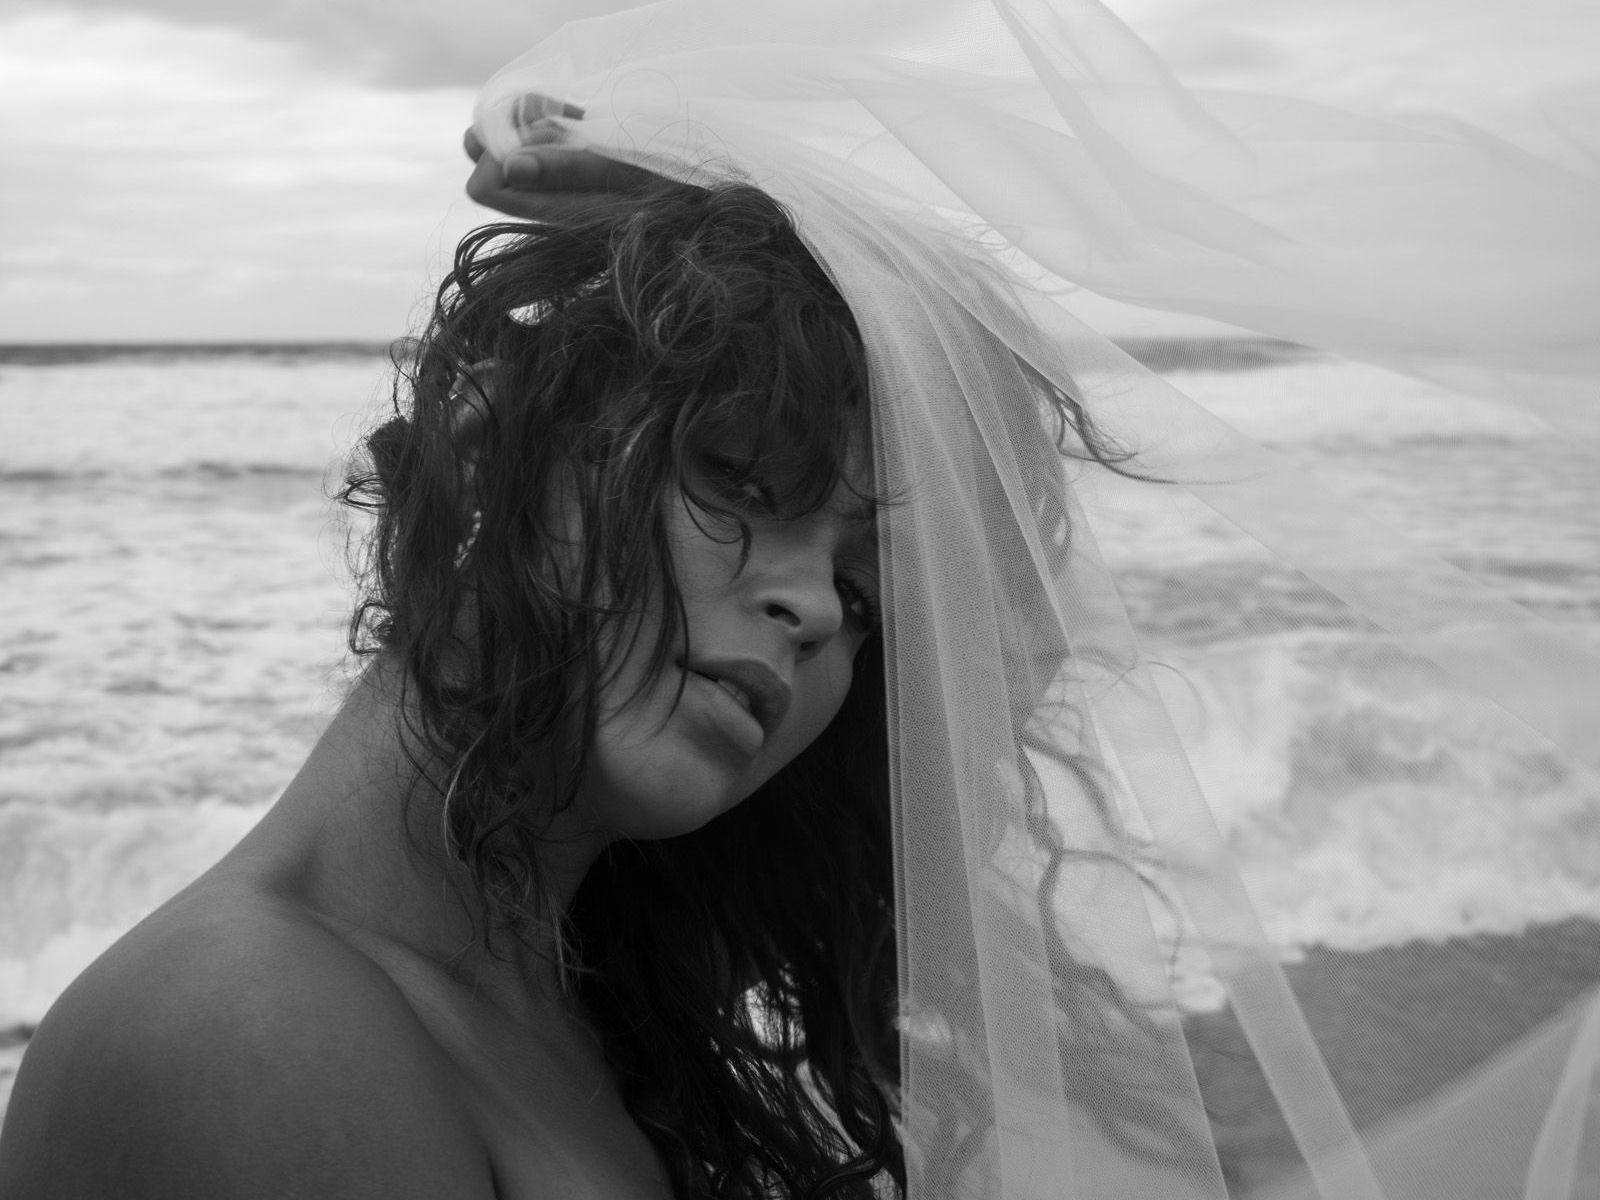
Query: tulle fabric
1072	909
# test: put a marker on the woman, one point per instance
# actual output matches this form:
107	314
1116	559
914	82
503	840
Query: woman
1060	886
500	935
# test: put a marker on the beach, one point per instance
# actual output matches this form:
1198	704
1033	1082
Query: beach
183	593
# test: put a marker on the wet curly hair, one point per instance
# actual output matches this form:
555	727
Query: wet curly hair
571	377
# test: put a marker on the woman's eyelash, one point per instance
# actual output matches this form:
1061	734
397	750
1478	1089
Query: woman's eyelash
860	602
737	483
755	494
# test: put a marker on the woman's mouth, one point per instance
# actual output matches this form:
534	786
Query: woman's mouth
756	688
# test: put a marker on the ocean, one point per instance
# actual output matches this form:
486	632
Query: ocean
177	591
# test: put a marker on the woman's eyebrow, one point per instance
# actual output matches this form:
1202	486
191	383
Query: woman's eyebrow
859	510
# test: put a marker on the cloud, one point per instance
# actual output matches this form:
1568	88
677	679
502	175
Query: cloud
1462	57
404	44
290	168
1221	53
1497	64
172	181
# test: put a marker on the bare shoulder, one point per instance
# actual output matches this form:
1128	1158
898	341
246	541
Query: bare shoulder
229	1047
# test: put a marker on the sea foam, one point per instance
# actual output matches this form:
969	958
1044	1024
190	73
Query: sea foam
72	881
1368	800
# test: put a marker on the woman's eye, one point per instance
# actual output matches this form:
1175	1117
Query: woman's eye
736	484
861	603
754	495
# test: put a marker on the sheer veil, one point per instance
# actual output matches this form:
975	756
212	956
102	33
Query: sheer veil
1210	785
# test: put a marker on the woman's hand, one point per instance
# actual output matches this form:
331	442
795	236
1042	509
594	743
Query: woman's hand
545	180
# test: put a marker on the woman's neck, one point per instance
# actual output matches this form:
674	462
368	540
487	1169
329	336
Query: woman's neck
357	838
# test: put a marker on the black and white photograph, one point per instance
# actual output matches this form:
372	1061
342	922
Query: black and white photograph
800	600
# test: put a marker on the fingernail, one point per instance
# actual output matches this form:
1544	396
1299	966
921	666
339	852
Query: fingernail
533	107
520	170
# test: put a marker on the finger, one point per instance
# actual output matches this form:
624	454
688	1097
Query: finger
541	133
563	169
532	117
534	106
487	187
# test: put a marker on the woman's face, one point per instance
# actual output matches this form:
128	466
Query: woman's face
764	667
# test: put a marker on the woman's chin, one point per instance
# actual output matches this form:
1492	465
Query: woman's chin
650	805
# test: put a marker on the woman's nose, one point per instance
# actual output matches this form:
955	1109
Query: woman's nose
799	593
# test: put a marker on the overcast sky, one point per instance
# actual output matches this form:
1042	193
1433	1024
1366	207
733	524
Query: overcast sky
281	169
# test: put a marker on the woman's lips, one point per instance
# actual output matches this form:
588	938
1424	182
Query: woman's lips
732	719
758	690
